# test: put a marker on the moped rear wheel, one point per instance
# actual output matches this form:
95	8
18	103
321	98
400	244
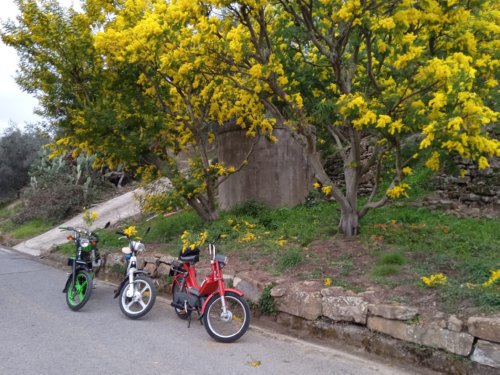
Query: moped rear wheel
230	326
142	300
77	295
176	288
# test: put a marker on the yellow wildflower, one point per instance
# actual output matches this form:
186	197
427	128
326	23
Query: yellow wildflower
130	231
495	275
249	236
327	281
398	191
327	190
407	171
281	242
433	280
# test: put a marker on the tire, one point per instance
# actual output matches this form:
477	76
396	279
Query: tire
232	328
182	314
143	300
83	289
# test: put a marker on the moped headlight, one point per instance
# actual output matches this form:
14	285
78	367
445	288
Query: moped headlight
138	246
84	244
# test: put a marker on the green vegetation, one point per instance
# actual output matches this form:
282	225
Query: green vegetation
266	304
402	244
16	232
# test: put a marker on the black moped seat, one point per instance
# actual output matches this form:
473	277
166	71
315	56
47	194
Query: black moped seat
190	255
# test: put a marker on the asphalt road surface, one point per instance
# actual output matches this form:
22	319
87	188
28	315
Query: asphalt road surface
39	334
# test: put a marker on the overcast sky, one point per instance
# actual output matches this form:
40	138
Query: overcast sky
15	105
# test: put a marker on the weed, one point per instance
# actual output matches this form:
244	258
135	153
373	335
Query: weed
391	259
289	259
385	270
266	304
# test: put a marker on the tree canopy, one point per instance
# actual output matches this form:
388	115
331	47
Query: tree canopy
141	82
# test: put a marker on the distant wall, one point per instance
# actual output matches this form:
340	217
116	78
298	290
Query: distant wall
277	173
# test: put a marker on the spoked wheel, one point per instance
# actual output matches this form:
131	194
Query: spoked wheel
140	299
79	294
229	326
176	288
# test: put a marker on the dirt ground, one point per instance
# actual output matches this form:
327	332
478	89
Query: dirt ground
348	264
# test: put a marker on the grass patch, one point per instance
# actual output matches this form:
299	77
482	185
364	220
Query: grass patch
288	259
430	242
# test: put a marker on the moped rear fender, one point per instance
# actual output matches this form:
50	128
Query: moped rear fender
238	292
125	281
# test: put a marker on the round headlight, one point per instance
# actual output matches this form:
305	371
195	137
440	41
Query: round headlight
84	243
138	246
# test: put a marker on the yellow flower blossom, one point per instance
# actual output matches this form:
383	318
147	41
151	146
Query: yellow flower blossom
407	171
398	191
130	231
249	236
327	281
495	275
316	185
281	242
483	163
433	280
327	190
433	162
90	217
187	243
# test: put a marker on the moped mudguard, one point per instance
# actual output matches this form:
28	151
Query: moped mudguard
125	281
238	292
67	283
122	284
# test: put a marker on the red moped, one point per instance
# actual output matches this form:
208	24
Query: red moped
223	311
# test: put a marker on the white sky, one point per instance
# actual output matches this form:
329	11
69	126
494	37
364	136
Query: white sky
15	105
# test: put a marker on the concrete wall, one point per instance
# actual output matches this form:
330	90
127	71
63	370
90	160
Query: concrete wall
277	173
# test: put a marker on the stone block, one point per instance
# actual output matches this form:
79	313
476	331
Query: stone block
163	270
300	300
433	336
485	328
397	312
455	324
487	353
114	258
250	284
278	291
151	269
346	309
334	291
167	259
152	259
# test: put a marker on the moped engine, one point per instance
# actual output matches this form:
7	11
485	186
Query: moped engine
185	301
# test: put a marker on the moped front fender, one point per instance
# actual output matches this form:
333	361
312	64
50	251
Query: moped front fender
67	283
238	292
125	281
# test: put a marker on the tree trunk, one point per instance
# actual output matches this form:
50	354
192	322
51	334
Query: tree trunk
349	222
204	211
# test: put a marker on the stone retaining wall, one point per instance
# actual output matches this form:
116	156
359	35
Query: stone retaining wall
477	339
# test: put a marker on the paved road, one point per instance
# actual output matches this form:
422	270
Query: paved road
40	335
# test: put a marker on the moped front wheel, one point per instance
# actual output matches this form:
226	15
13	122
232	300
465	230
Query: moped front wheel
138	298
78	294
231	325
